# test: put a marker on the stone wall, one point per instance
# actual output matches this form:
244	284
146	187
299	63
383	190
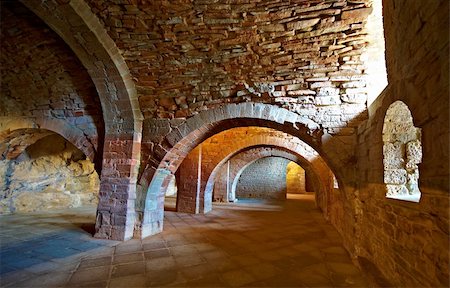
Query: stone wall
42	77
227	177
263	179
406	241
190	56
49	174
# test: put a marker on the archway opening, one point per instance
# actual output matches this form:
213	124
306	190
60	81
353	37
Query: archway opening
210	171
295	179
172	149
41	171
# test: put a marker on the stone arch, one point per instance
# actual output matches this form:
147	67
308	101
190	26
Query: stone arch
41	169
37	129
241	176
281	140
248	156
168	143
75	23
402	152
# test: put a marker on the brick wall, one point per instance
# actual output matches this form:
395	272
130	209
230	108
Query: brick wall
263	179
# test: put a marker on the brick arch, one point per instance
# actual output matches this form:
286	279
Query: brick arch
240	161
38	128
226	151
168	150
165	144
74	22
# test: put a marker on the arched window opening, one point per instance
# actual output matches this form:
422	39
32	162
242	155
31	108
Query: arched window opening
402	151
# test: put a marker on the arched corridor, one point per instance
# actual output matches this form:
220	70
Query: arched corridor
133	126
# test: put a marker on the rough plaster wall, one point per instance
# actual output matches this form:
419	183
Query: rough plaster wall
295	178
41	76
263	179
408	242
52	173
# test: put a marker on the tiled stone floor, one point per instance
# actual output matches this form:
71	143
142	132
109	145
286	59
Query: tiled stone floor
249	243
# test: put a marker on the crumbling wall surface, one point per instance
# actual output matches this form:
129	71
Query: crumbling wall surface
263	179
49	174
409	242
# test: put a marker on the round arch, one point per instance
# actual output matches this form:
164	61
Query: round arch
309	157
237	177
169	148
75	23
240	161
38	128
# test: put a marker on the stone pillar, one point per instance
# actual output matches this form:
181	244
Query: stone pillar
117	196
220	185
188	182
229	195
309	183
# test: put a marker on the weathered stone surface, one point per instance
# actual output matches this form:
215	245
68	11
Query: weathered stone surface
395	176
255	183
300	25
49	174
393	155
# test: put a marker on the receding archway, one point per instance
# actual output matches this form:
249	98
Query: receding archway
226	178
180	140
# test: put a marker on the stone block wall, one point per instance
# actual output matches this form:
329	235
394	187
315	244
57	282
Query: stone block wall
190	56
263	179
227	177
49	174
407	241
188	182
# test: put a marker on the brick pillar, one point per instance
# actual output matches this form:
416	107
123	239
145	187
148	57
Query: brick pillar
117	196
188	182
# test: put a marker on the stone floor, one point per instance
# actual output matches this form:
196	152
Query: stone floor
248	243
